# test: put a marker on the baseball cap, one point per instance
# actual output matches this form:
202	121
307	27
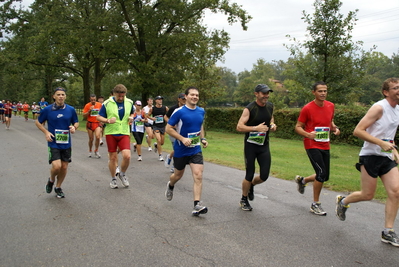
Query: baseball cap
263	88
182	96
138	103
158	97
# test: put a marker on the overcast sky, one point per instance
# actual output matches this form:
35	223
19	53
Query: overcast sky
378	24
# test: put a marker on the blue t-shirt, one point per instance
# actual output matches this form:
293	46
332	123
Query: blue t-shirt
188	124
58	121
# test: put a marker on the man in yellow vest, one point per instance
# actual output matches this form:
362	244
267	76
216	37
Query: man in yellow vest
117	113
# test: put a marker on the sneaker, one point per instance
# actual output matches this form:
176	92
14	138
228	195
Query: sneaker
101	142
390	238
113	184
134	148
149	149
89	155
160	158
155	147
124	180
245	205
168	192
251	194
49	186
317	209
117	171
339	208
172	170
59	192
139	158
199	209
167	161
97	155
301	186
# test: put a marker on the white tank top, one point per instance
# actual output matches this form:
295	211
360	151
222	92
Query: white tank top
384	128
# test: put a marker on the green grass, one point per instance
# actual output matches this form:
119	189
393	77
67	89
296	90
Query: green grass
288	159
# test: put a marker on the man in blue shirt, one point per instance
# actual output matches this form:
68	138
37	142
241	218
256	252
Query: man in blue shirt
186	126
62	122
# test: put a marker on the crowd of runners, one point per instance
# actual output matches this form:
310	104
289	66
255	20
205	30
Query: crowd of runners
118	117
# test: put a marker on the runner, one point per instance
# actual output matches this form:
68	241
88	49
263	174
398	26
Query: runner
7	113
157	114
14	108
148	124
25	108
62	121
138	128
186	125
19	107
2	118
93	127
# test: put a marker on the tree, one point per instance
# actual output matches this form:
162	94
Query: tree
329	54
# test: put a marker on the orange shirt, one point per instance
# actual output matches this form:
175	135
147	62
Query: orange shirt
92	117
25	107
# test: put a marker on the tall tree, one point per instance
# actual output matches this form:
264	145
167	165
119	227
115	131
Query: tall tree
329	54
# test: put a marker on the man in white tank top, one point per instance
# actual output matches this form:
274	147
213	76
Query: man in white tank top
378	157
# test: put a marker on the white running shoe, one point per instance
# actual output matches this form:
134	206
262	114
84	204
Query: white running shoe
97	155
160	158
124	180
101	142
113	184
139	158
149	149
117	171
89	155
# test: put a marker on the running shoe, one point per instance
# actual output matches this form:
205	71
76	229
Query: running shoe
89	154
97	155
340	209
155	147
168	192
167	161
301	186
317	209
172	170
149	149
199	209
245	205
124	180
251	194
113	184
134	148
59	193
160	158
101	142
390	238
49	186
139	158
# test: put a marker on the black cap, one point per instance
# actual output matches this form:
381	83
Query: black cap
182	96
59	89
263	88
158	97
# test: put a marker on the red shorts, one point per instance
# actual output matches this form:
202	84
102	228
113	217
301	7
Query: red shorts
92	125
121	141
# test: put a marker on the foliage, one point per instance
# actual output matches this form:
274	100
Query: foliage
329	54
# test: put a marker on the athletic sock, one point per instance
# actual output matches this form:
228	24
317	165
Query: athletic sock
386	230
196	202
122	174
244	198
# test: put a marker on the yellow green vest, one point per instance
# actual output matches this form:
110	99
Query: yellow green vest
120	126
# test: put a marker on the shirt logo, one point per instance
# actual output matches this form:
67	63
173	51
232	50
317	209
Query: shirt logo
60	116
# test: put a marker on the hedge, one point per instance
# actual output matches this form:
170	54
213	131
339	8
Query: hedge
346	118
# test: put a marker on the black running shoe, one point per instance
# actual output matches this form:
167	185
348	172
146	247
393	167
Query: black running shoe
49	186
251	194
245	205
59	193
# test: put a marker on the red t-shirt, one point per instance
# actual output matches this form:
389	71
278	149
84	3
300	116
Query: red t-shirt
7	108
314	116
92	117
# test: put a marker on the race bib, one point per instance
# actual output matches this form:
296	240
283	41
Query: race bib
159	119
257	138
387	140
94	112
195	139
322	134
62	136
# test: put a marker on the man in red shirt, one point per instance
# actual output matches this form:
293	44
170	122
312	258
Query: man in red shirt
90	113
315	122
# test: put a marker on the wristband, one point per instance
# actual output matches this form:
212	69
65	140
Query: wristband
203	139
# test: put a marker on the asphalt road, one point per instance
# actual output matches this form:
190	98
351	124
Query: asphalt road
136	226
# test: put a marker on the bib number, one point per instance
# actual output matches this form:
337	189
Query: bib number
257	138
195	139
62	136
94	112
322	134
159	119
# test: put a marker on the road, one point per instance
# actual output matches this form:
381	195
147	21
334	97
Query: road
136	226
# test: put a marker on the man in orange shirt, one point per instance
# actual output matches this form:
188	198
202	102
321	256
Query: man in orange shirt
25	109
90	113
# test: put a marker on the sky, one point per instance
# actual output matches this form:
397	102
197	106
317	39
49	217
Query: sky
378	24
